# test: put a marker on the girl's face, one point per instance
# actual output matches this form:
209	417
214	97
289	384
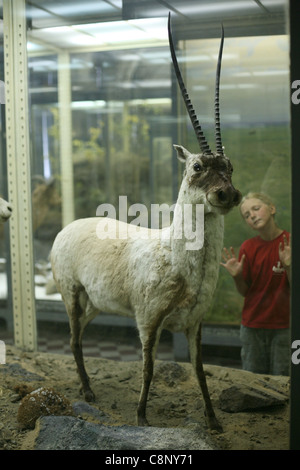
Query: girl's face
257	214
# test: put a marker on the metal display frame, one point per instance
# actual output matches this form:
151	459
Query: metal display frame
19	177
295	317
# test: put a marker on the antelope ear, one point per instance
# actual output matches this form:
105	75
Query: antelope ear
182	153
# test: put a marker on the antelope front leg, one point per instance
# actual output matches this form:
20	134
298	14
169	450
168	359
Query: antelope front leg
148	364
196	358
149	349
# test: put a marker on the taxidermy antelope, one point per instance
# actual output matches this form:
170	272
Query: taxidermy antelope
153	279
5	210
44	197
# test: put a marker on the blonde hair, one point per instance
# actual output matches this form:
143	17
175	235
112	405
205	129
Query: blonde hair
261	196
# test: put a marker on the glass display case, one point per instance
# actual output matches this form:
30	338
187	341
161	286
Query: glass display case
89	111
105	110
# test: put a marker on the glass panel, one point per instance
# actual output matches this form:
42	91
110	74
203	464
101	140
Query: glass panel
45	183
254	96
106	85
121	138
121	127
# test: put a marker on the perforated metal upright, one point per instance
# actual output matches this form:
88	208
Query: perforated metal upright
18	165
65	137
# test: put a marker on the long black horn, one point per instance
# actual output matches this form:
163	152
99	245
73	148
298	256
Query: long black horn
219	146
197	128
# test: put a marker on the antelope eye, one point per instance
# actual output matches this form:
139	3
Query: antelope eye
197	167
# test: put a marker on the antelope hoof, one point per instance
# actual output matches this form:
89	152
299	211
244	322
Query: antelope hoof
142	421
214	424
89	395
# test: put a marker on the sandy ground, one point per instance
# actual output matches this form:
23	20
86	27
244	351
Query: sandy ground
173	402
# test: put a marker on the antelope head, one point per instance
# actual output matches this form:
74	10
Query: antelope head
208	174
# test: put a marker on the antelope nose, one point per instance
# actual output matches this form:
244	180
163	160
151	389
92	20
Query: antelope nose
230	196
237	197
222	196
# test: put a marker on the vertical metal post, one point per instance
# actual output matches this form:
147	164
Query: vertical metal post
18	167
295	317
65	136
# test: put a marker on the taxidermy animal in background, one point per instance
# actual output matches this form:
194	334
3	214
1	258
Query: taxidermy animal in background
5	210
152	277
44	197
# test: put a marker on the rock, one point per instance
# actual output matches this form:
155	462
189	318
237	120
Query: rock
22	390
170	372
241	398
69	433
40	402
84	409
15	370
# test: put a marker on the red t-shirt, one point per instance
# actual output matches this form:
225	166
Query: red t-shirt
267	302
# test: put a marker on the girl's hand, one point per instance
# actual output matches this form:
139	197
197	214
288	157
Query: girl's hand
285	252
231	263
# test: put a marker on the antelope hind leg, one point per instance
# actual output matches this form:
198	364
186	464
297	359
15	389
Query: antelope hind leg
86	389
196	358
76	346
